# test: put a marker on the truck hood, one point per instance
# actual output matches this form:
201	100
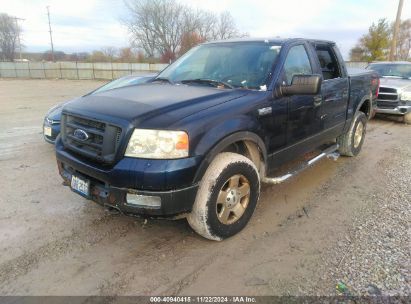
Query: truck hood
165	102
396	83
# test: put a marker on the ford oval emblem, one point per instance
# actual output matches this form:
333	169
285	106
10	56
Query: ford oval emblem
81	134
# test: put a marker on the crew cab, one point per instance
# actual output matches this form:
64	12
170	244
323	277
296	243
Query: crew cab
198	139
394	96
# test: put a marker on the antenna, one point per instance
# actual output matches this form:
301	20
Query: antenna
51	37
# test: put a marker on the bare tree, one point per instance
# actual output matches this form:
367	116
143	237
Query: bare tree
404	41
156	25
9	34
110	52
226	27
167	27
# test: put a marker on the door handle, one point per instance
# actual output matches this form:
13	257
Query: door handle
318	101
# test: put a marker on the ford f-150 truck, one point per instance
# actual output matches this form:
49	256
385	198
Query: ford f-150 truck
198	139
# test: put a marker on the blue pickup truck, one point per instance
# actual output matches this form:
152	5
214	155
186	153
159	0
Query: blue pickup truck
199	138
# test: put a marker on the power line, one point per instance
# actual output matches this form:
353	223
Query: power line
396	30
51	36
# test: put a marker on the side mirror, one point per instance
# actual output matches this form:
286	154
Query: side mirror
302	85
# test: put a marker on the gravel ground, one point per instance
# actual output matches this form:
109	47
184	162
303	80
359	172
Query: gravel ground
373	256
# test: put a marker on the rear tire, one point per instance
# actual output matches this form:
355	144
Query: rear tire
351	142
407	118
227	197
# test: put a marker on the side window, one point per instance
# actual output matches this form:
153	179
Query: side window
328	62
297	62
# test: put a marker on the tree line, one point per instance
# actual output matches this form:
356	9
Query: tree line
167	28
375	45
160	30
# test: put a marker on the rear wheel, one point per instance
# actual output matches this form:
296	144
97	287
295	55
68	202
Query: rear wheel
227	197
351	142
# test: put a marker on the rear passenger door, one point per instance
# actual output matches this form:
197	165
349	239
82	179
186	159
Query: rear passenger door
334	87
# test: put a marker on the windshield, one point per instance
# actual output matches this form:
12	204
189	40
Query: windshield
392	70
121	82
237	64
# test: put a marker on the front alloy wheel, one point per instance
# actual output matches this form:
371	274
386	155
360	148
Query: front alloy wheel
226	198
233	199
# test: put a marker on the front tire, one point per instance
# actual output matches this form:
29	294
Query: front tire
227	197
351	142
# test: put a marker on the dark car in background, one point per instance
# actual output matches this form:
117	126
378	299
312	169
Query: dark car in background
394	96
51	124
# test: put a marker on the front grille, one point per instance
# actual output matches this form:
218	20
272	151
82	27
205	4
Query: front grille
99	141
387	94
386	104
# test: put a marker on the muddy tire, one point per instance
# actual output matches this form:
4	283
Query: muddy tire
227	197
407	118
351	142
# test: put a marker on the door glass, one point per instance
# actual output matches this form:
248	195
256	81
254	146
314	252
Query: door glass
296	63
328	62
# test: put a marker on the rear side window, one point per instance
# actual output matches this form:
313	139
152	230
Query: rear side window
328	62
296	63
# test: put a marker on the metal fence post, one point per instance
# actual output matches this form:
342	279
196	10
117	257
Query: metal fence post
112	73
78	76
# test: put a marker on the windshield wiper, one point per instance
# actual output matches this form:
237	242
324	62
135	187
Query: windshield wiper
163	79
209	81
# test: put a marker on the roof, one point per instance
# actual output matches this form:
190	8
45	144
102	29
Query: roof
276	40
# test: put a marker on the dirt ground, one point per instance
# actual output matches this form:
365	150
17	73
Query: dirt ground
54	242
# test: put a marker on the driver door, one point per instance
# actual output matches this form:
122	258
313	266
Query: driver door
304	111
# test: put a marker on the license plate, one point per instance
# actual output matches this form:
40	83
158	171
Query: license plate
80	186
47	131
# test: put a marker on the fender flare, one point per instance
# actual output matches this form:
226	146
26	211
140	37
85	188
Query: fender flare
225	142
365	99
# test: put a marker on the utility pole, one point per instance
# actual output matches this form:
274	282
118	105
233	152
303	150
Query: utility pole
396	30
18	37
51	37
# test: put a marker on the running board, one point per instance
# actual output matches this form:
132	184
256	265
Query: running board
330	152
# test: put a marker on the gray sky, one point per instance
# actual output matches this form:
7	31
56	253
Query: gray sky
86	25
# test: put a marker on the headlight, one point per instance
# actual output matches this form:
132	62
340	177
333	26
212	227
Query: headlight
406	96
157	144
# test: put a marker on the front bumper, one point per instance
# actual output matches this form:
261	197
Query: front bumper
397	108
400	110
171	181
